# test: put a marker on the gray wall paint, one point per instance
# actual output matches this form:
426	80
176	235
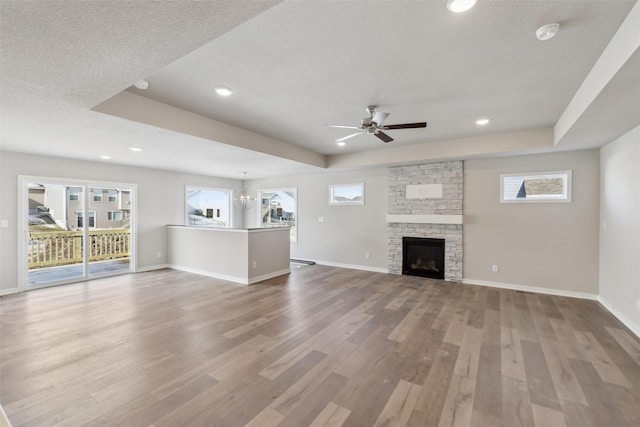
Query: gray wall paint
348	232
160	201
547	245
518	234
620	241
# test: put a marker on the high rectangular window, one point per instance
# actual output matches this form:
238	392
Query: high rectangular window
113	195
536	187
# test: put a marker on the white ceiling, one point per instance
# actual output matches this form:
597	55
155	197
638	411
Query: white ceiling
296	66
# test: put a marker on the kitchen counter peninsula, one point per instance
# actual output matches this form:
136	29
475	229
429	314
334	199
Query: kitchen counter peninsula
236	254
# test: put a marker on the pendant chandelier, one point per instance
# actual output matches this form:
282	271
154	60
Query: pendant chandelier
244	198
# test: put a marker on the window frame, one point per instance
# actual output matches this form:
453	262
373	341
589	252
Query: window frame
564	198
94	194
293	237
115	197
228	191
92	214
110	215
332	194
74	196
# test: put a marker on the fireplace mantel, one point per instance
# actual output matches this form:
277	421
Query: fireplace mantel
425	219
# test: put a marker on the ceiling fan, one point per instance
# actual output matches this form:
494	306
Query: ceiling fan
373	125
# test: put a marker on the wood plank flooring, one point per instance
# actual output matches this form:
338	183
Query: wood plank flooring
321	347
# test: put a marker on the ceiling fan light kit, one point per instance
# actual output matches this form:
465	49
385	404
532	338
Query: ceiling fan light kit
372	125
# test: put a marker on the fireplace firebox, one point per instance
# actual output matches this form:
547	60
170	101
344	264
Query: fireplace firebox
423	257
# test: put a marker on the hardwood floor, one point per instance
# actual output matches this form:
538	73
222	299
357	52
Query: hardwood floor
321	347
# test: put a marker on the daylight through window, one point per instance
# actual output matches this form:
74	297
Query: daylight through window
536	187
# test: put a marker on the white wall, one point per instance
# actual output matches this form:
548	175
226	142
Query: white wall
620	238
160	202
348	232
537	245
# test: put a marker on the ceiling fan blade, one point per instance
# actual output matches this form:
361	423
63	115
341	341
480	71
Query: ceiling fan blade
348	136
383	136
379	117
406	126
342	127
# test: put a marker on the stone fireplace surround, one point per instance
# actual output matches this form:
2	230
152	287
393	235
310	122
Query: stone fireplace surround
438	218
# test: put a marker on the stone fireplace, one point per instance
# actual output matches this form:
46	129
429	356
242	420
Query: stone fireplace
425	201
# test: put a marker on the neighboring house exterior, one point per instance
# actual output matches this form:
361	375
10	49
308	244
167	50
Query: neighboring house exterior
106	207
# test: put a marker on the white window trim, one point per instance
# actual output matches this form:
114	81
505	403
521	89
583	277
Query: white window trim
93	194
111	214
88	222
334	202
565	198
294	238
229	192
85	185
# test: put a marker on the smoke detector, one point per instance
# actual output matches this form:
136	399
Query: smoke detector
142	84
547	32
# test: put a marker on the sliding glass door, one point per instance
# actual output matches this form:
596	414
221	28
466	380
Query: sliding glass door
75	230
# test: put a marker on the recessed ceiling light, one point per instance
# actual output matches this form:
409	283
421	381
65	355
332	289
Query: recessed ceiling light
341	143
105	157
547	32
459	6
223	91
142	84
136	149
483	121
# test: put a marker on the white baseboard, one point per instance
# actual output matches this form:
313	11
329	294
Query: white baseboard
236	279
353	266
9	291
151	268
535	289
269	276
635	328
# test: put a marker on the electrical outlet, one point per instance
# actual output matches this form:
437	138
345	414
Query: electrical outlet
4	223
494	268
320	219
367	255
159	254
254	264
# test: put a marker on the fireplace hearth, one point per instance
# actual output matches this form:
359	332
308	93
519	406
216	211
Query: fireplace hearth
423	257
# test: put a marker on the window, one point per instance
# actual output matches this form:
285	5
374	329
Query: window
113	195
74	193
97	194
114	216
208	207
278	208
346	194
536	187
92	219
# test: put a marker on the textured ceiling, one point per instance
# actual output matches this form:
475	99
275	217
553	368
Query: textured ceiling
296	66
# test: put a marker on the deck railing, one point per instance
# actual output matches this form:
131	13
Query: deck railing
54	248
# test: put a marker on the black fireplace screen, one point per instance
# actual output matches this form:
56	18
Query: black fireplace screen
423	257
